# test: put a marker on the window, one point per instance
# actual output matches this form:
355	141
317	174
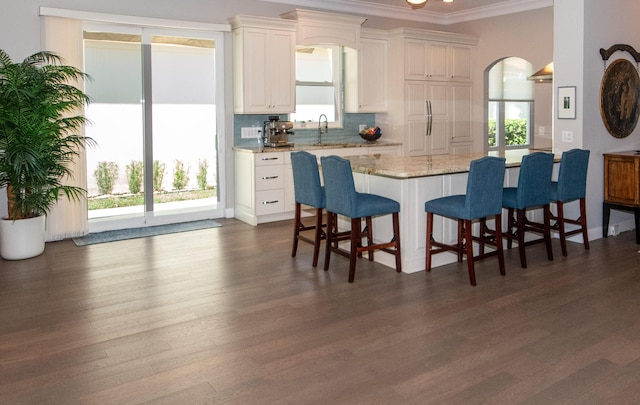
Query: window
318	84
510	104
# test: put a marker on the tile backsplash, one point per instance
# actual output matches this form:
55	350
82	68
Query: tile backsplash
348	133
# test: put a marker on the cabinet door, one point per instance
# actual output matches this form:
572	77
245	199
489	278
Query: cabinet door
282	77
365	82
437	61
415	57
265	88
461	94
255	85
373	75
439	98
460	62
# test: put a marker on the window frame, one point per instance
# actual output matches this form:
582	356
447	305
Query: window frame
501	113
338	84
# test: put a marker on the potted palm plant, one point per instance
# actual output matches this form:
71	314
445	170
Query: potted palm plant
40	116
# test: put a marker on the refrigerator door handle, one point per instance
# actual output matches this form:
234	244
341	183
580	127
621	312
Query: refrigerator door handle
430	120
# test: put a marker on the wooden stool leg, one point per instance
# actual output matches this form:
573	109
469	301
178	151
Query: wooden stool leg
396	238
583	222
369	223
499	247
427	265
547	231
318	237
329	241
296	231
460	239
510	224
520	230
561	230
356	241
469	251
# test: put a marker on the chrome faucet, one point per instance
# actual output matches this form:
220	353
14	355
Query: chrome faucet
322	130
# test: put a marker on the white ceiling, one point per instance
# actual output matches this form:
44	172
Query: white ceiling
435	11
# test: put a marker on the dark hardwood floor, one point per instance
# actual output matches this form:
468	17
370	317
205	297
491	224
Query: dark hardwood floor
225	315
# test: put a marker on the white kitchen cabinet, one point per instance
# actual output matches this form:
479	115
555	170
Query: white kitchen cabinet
429	60
366	75
259	186
461	112
430	91
263	65
264	190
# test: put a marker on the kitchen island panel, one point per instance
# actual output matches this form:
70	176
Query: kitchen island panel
412	193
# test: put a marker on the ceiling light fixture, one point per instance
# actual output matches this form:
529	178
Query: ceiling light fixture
420	3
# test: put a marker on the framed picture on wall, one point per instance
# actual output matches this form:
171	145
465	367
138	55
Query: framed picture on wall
567	102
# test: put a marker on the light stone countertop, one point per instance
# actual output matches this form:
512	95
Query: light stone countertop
313	146
406	167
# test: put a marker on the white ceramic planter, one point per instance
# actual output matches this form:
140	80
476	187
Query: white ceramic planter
22	239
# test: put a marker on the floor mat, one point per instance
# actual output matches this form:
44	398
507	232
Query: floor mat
133	233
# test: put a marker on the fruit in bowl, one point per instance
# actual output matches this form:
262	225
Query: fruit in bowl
370	134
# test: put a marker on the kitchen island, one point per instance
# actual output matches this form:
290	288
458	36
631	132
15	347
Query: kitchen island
414	180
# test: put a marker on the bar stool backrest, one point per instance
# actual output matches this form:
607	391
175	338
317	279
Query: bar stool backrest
534	180
484	187
306	179
339	187
572	176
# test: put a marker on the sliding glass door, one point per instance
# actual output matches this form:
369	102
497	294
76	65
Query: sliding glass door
155	116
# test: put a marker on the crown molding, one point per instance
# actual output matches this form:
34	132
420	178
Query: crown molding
362	7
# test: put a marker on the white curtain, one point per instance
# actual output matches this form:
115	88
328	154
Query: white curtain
67	218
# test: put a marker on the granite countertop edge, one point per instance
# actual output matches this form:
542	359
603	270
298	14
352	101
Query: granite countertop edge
312	146
408	167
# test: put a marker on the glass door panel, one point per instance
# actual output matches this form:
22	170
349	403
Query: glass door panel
184	124
114	61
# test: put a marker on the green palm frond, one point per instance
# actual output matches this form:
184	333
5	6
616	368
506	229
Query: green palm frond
40	117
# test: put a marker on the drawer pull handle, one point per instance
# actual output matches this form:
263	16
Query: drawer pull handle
269	177
270	158
269	202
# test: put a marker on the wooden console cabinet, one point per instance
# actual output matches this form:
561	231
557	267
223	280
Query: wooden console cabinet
621	187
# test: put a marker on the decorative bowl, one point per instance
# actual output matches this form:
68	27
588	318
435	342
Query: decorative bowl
370	136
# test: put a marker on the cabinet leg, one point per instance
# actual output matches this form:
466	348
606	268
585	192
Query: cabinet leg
606	213
636	215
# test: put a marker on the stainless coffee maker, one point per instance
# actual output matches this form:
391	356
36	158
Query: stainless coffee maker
275	133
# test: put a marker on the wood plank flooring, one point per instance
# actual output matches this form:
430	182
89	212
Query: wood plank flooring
226	316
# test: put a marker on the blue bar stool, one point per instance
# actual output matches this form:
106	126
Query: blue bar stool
342	199
483	199
533	191
308	191
571	186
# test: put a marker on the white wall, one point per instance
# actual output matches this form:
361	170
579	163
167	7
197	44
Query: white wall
582	28
525	35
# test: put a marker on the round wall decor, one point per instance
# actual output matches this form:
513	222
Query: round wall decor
619	92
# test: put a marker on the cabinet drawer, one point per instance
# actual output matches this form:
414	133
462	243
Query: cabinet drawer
269	177
269	202
270	158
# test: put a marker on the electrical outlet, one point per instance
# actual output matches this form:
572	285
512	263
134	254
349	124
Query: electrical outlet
250	132
614	230
567	136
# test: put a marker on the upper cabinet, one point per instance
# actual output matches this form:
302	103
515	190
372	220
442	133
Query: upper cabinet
365	55
366	74
437	60
263	65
